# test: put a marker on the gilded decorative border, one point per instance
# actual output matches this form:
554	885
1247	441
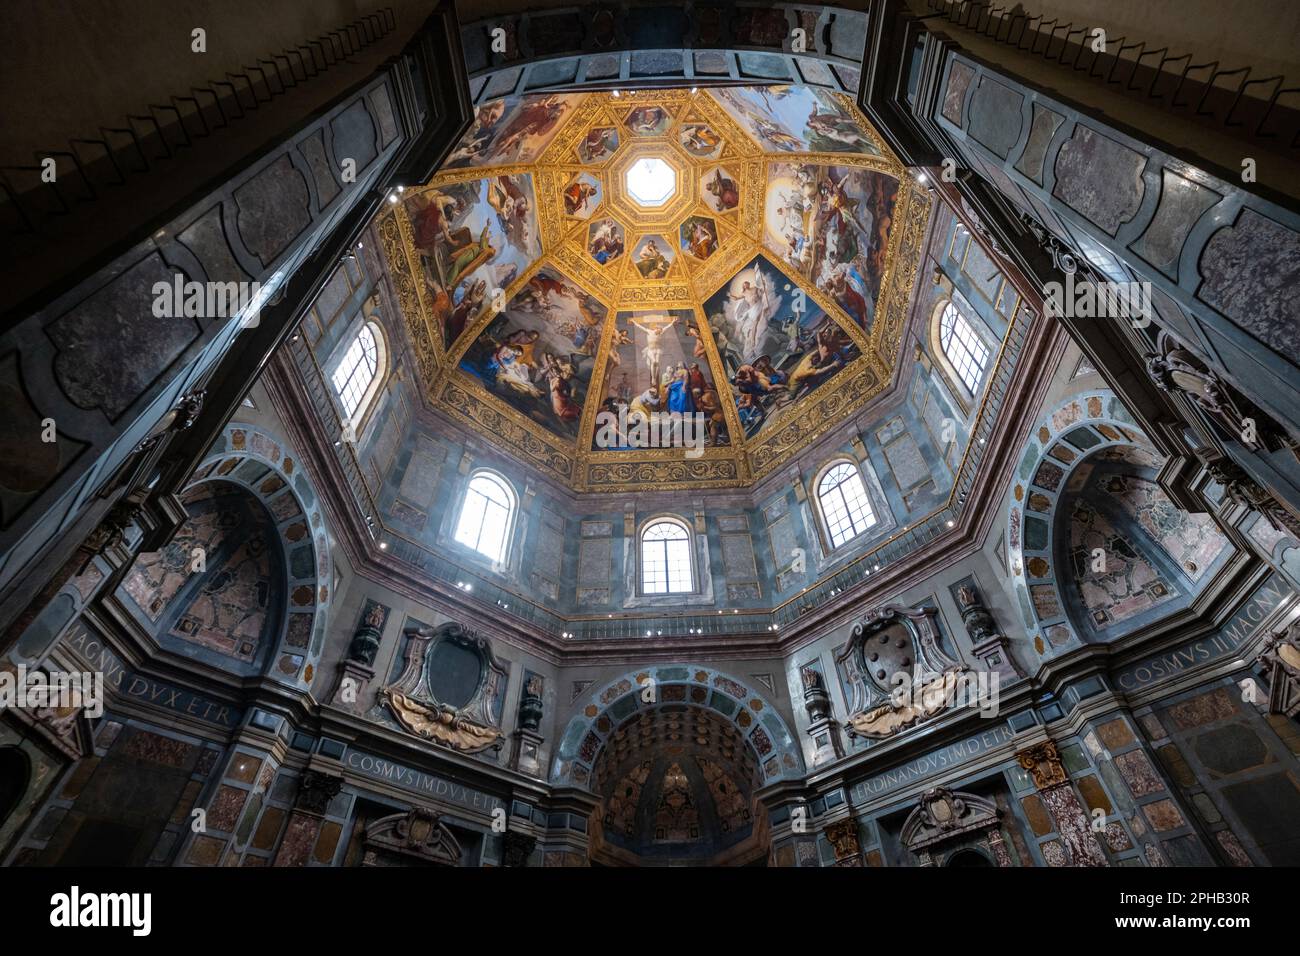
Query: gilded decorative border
688	286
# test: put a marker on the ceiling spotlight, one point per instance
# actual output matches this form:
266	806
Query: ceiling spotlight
614	93
647	633
401	188
659	633
383	545
922	178
950	522
360	245
392	197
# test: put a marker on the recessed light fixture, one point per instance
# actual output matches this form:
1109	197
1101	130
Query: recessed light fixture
383	545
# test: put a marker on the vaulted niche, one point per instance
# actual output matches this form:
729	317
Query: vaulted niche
677	785
217	590
1129	553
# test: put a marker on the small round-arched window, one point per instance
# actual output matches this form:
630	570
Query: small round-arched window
666	558
963	347
355	374
487	515
844	504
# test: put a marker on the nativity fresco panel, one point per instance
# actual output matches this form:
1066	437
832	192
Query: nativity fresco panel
832	224
538	355
512	131
658	363
795	119
472	238
775	343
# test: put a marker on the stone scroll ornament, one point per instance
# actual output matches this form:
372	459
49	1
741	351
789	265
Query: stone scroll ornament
897	672
1174	369
470	728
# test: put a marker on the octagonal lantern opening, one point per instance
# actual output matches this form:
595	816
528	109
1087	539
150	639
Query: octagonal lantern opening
651	181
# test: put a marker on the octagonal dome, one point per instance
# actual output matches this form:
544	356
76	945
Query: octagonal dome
584	262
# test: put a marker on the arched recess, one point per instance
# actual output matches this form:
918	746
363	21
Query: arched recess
217	591
261	464
1054	521
758	723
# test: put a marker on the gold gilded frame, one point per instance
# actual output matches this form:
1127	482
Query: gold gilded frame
620	288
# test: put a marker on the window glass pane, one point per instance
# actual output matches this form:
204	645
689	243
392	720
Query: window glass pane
964	349
484	523
665	559
846	509
356	372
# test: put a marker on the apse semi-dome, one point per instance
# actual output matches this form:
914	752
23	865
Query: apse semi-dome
585	263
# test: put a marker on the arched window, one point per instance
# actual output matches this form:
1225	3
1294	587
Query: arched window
846	509
666	558
965	350
356	373
487	515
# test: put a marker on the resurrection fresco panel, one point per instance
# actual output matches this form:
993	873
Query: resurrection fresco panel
775	343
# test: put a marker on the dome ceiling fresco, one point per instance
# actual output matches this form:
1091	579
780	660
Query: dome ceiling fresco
744	254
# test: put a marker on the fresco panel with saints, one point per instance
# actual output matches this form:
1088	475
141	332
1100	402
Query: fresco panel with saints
832	224
472	238
659	363
538	355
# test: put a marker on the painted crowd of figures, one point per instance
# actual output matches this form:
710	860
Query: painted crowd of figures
538	355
